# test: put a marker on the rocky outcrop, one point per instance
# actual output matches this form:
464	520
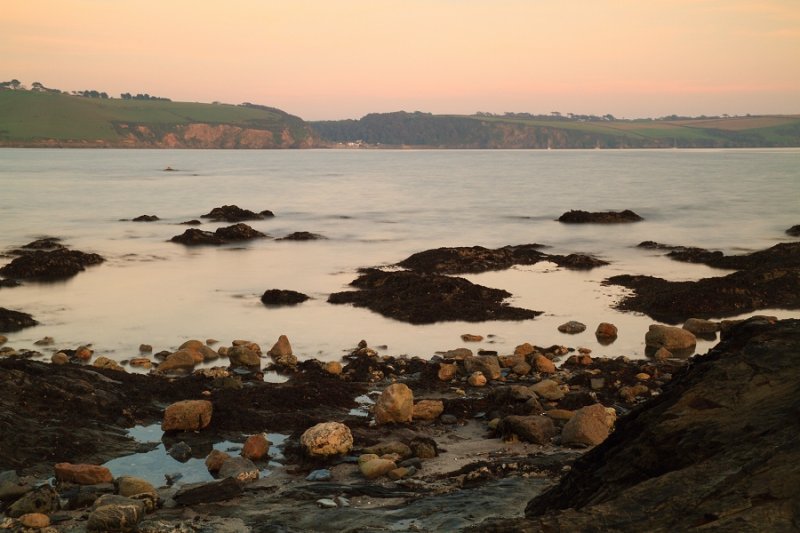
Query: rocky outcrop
794	231
302	236
420	298
282	297
236	233
601	217
234	213
57	264
718	450
476	259
11	320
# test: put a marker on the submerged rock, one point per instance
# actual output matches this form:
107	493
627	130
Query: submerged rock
794	231
282	297
420	298
234	213
302	236
54	265
602	217
11	320
146	218
226	235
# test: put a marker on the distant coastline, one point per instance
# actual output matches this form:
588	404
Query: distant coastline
42	119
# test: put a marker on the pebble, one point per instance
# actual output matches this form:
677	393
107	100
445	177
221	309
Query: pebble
477	379
145	348
319	475
326	503
35	520
181	452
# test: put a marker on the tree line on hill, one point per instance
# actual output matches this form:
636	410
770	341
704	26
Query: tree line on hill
38	87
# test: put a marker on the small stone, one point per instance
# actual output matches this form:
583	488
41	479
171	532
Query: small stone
401	473
243	357
459	354
606	331
211	342
180	451
105	362
3	340
662	354
333	367
669	337
239	468
477	379
392	447
59	358
509	361
45	341
544	365
181	362
84	353
83	474
522	369
588	427
561	415
43	500
524	349
281	352
428	409
141	362
447	371
319	475
326	503
699	326
584	351
327	439
215	459
631	393
187	415
572	327
35	520
131	486
115	513
642	376
376	468
424	448
145	348
467	337
548	389
597	383
448	419
534	428
255	447
395	405
489	365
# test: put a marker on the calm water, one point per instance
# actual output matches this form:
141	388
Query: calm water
376	208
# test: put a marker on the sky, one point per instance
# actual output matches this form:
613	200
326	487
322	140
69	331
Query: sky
335	59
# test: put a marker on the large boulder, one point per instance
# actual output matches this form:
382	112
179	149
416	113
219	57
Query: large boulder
49	266
533	428
676	340
255	447
327	439
395	405
281	352
180	362
83	474
243	357
187	415
488	365
11	320
282	297
588	426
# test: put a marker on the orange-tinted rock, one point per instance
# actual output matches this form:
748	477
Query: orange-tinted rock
188	415
428	409
544	365
255	447
83	474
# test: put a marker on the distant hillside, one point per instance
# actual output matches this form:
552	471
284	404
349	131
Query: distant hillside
525	131
30	118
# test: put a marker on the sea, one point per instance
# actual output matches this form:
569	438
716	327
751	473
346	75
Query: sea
374	208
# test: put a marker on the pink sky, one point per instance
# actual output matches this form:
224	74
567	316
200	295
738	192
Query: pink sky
326	59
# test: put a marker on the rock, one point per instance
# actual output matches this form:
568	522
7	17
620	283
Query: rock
477	379
34	520
333	367
447	371
424	448
698	326
572	327
187	415
459	354
49	266
83	353
302	236
509	361
115	513
43	500
524	349
59	358
214	491
676	340
604	217
3	340
12	486
393	447
468	337
83	474
256	447
319	475
533	428
146	218
559	415
376	468
544	365
281	352
662	354
180	362
180	451
395	405
199	351
548	389
326	503
282	297
131	486
401	473
606	331
630	393
794	231
241	469
522	369
193	222
232	213
141	362
215	459
420	298
428	409
448	419
105	362
145	348
15	320
730	410
235	233
588	427
327	439
243	357
489	365
45	341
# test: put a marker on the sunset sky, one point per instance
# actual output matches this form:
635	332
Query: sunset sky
331	59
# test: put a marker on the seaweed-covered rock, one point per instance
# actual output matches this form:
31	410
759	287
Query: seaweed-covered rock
420	298
236	233
57	264
11	320
601	217
476	259
234	213
302	236
282	297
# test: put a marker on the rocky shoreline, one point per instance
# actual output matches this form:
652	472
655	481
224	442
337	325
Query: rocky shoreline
370	441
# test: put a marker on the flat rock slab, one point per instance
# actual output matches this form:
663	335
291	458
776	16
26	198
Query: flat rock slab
420	298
